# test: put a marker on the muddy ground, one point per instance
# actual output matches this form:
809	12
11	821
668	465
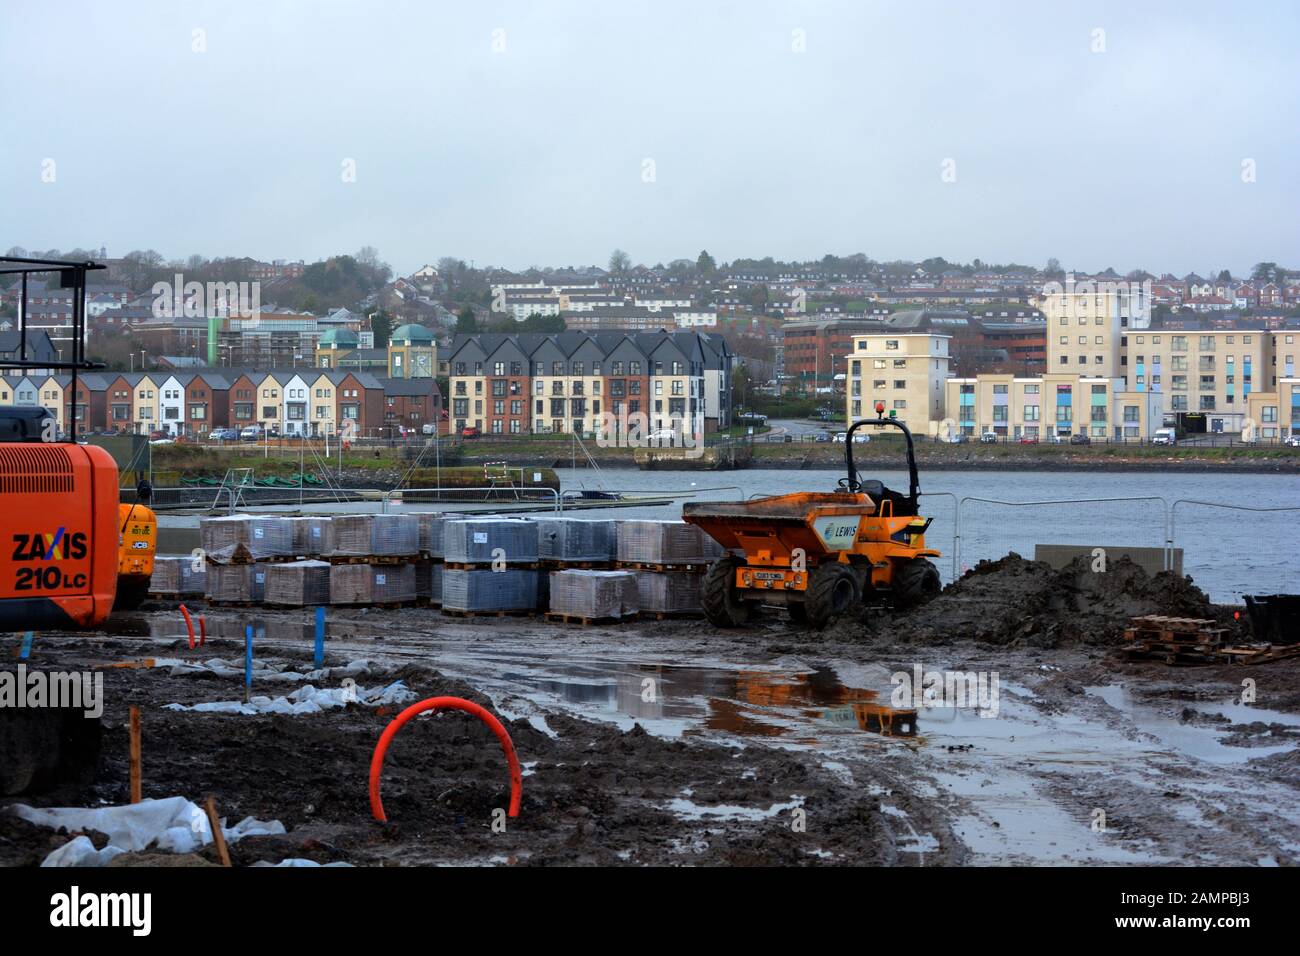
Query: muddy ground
675	742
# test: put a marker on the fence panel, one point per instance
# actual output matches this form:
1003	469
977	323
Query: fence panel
1231	550
989	528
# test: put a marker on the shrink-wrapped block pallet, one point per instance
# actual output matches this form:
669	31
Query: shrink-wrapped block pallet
263	536
428	581
595	595
236	583
571	541
430	537
376	536
312	536
372	583
469	590
481	540
669	592
665	542
298	583
176	576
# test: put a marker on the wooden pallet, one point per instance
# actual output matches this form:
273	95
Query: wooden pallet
689	568
554	565
1185	631
241	561
1207	654
454	612
561	618
383	559
670	615
172	596
215	603
487	566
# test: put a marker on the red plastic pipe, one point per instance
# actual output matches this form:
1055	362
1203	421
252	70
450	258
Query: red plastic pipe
203	630
189	624
443	703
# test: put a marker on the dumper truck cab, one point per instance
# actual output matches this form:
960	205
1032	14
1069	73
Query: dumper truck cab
821	554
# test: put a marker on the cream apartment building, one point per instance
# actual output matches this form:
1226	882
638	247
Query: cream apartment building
1049	406
1274	415
907	372
1204	370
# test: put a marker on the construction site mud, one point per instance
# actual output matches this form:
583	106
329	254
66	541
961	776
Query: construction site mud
674	742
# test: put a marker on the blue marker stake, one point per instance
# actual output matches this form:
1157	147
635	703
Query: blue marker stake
248	661
320	638
27	645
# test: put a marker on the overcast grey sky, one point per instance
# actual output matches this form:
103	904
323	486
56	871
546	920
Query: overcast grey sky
518	134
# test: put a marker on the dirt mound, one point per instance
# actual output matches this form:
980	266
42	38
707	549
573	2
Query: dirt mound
1016	601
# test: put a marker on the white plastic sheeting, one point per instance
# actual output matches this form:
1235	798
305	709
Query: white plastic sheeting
305	700
172	823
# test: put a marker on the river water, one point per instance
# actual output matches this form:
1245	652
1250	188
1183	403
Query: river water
1228	552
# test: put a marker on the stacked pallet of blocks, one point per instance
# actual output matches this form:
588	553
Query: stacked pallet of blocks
265	537
236	583
586	596
669	559
567	543
365	583
303	583
237	550
177	577
372	559
491	566
312	537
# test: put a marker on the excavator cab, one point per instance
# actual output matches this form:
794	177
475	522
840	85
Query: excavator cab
820	555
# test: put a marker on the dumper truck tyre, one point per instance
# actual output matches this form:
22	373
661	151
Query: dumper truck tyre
915	583
832	590
722	605
132	589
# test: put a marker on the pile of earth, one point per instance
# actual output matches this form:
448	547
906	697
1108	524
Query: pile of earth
1014	601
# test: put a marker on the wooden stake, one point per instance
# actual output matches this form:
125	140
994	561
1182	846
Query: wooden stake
135	755
218	837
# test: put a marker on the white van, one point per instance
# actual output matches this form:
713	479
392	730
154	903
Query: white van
1164	436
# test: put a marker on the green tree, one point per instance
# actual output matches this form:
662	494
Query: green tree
705	265
381	324
466	322
619	262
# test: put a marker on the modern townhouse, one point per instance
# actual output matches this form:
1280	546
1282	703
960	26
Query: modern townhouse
574	382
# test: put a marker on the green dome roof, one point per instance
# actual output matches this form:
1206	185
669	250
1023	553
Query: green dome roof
339	337
411	334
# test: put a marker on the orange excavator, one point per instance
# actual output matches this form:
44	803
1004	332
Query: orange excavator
65	537
819	555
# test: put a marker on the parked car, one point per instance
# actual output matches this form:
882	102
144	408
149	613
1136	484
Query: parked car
1292	441
1054	439
1080	438
841	436
861	438
1165	436
661	436
989	438
469	431
224	434
1028	440
250	433
157	434
429	428
821	436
